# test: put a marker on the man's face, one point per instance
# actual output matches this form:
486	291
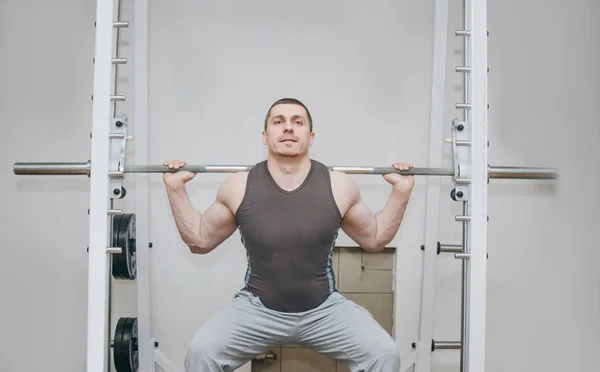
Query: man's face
288	130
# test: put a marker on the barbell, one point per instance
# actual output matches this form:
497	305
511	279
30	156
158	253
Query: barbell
84	168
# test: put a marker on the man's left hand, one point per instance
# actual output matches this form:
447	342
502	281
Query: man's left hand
399	181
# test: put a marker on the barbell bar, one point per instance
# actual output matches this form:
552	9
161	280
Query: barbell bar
84	168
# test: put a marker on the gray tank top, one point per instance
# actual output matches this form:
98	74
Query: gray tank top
289	238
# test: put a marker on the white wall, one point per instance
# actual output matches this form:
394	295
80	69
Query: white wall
214	70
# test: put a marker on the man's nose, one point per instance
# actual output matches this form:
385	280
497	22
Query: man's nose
287	126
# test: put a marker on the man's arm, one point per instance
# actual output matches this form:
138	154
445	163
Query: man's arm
374	231
203	232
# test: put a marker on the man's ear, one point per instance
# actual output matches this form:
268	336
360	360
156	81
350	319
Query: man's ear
264	137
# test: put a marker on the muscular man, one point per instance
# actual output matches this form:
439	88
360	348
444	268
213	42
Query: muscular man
289	209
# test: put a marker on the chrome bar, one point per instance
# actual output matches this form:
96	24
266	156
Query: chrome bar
241	168
451	248
121	24
522	172
117	98
465	181
119	61
446	345
461	106
462	218
464	291
114	250
462	256
84	168
463	69
189	168
116	135
52	168
387	170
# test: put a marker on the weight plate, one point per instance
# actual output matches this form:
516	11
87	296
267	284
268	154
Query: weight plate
116	265
119	259
125	350
127	240
124	263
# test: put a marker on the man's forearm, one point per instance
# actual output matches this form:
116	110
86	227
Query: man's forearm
187	219
388	220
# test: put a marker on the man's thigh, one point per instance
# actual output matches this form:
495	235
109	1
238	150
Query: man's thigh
235	334
346	332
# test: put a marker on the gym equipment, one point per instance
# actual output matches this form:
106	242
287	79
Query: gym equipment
125	345
85	168
107	168
123	237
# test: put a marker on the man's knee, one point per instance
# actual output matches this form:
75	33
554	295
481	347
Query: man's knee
384	356
203	355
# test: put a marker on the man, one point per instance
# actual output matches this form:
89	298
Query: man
289	209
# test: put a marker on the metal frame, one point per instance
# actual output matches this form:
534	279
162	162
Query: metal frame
142	197
469	151
477	244
98	258
422	360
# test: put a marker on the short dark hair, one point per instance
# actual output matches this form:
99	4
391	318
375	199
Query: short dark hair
292	101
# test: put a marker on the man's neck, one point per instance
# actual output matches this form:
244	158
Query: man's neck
289	172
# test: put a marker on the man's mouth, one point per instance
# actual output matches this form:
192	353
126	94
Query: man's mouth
288	140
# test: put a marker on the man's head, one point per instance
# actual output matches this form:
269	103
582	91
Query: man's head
288	128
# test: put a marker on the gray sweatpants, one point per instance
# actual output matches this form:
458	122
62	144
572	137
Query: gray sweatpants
339	328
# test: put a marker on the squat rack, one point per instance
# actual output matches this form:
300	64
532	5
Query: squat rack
470	173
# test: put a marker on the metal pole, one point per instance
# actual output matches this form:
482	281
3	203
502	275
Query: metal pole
98	259
464	291
111	227
446	345
116	65
475	344
451	248
465	229
142	190
241	168
52	168
85	169
522	172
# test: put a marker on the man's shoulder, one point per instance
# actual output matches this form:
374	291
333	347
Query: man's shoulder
341	177
233	186
235	180
344	185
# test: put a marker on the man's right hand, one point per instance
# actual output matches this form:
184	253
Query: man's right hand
178	178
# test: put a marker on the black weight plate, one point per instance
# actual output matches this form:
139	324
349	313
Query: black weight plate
119	259
133	344
132	257
124	263
125	351
116	220
130	344
116	266
118	356
127	241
